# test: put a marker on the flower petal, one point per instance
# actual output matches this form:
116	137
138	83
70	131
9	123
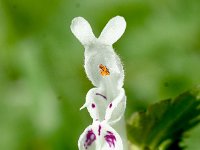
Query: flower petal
116	108
100	136
82	30
96	101
113	30
103	67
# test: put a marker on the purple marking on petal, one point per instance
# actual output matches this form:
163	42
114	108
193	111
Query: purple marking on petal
110	105
93	105
101	95
110	139
99	130
109	132
90	138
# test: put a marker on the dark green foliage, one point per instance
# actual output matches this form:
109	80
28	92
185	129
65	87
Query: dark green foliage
164	123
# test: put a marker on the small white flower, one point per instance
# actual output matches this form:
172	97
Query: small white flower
100	136
107	102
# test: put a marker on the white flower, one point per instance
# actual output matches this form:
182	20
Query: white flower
107	102
100	136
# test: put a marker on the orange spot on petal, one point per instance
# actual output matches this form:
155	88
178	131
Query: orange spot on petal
104	70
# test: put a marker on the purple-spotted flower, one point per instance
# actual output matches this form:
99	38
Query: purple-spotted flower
100	136
106	102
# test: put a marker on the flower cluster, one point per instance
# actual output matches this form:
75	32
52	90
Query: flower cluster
106	102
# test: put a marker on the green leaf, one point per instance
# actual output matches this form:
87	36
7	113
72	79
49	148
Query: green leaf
163	124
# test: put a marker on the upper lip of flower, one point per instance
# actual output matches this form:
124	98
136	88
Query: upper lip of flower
99	50
113	30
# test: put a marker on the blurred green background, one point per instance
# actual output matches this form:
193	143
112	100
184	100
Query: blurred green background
42	79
